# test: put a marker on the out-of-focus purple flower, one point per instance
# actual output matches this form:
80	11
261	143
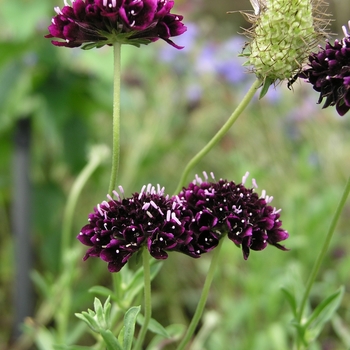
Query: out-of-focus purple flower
95	23
219	208
120	227
329	73
228	63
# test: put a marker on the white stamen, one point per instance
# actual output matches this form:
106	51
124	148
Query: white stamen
263	194
212	175
255	185
146	206
121	190
205	176
346	34
141	192
154	205
168	215
173	216
105	204
100	209
244	178
116	194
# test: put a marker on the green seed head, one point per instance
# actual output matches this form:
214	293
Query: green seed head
284	33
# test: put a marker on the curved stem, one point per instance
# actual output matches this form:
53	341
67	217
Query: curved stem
324	249
116	118
203	299
97	156
147	295
220	134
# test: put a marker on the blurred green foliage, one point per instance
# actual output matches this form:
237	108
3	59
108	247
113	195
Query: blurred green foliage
296	151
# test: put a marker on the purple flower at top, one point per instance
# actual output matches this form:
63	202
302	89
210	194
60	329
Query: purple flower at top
223	207
120	227
329	73
95	23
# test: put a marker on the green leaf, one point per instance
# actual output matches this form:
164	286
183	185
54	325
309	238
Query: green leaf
322	313
265	88
41	283
71	347
129	326
89	320
154	326
137	282
291	301
100	290
342	330
110	340
175	332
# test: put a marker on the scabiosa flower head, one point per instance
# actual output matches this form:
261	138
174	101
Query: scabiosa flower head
120	227
95	23
282	35
223	207
329	73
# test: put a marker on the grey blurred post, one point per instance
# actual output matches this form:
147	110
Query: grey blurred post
21	224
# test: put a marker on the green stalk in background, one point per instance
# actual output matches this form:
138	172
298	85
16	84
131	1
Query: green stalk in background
147	295
324	250
116	117
220	134
203	299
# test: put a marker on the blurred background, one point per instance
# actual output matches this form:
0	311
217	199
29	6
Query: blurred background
56	103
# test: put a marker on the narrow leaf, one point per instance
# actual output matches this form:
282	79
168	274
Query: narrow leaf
323	313
291	300
110	340
129	326
265	88
154	326
100	290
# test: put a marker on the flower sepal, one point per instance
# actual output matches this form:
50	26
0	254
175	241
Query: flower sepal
117	37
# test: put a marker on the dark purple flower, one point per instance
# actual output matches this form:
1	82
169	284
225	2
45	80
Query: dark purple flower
120	227
95	23
329	73
219	208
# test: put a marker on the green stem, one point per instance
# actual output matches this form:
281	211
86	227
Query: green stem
203	299
147	295
116	117
97	155
220	134
324	249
